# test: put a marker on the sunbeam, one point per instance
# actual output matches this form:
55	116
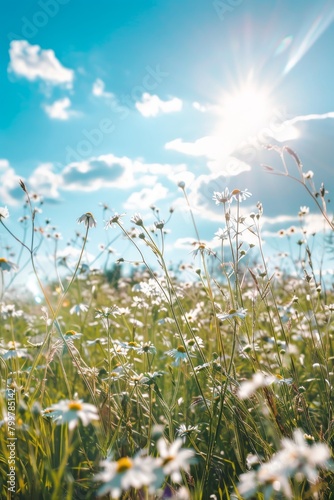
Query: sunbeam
317	28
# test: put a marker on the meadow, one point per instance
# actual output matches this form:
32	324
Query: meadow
210	380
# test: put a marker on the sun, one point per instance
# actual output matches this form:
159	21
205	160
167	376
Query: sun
243	113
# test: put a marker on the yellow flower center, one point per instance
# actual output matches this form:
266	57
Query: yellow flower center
232	311
70	332
167	460
75	405
181	349
123	464
132	344
2	259
235	191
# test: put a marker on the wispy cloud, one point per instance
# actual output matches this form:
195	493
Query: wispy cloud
98	90
204	108
60	110
152	105
287	130
34	63
306	118
146	197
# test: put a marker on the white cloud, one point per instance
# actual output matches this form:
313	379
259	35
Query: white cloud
229	166
152	105
146	197
98	90
288	131
45	182
187	243
59	110
205	108
10	191
95	173
312	223
199	107
211	147
98	172
205	146
33	63
111	171
4	164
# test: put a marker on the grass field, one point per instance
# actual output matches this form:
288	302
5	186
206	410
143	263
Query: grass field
213	380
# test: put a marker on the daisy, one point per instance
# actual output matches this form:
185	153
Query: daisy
137	219
239	195
240	313
114	219
173	459
72	335
146	348
223	197
78	309
185	430
296	459
194	344
6	265
308	175
9	311
14	351
259	379
4	214
126	473
71	412
303	211
222	234
302	459
87	219
105	312
179	354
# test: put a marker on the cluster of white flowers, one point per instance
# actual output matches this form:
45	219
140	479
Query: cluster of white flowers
125	473
145	471
296	460
227	197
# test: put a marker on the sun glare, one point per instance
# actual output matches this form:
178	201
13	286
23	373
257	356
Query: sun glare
243	114
246	110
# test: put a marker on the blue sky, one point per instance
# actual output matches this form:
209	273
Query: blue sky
117	101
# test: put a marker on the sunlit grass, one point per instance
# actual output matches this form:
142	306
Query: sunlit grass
153	385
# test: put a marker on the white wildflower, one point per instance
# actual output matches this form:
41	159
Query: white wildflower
259	379
71	412
87	219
